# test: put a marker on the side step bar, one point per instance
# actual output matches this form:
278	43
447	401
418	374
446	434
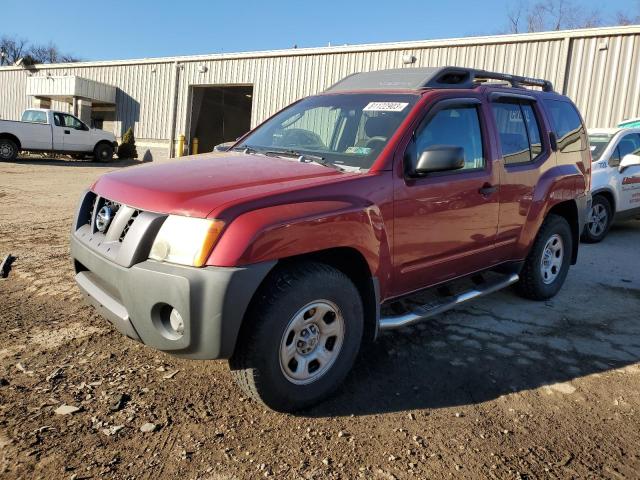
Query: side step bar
393	322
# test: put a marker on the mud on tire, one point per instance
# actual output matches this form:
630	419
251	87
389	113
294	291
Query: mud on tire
547	264
300	337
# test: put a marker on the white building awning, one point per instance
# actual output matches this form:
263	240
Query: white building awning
68	87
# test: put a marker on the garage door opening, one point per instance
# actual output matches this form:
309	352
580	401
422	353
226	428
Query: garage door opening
220	114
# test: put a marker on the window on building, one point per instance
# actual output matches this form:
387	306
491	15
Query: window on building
455	126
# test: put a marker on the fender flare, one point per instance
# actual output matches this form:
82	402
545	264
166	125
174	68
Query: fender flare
294	229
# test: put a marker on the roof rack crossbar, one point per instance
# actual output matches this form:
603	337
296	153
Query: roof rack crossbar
514	80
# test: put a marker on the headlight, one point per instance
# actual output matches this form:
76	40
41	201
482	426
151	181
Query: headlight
185	240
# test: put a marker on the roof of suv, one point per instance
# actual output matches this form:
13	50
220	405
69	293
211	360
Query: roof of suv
430	77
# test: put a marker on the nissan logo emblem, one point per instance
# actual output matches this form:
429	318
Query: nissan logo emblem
103	219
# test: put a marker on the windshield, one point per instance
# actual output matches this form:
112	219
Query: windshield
598	144
345	130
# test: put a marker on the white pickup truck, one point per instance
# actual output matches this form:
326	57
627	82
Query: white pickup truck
615	179
44	130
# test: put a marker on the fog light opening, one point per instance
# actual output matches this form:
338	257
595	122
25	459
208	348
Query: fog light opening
169	321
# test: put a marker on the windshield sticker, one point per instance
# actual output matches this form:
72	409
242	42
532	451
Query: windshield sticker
359	150
385	107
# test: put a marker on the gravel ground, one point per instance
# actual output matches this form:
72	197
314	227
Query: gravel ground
501	388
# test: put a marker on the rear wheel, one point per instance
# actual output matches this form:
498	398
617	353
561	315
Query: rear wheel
300	338
547	265
599	221
8	149
103	153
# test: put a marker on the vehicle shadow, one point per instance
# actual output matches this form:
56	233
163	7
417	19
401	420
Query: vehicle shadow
67	162
502	343
472	355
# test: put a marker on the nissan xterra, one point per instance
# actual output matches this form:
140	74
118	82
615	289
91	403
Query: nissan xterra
286	253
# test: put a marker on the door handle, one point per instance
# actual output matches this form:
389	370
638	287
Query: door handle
487	189
67	132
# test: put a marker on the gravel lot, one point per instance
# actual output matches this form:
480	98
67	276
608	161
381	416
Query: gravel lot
501	388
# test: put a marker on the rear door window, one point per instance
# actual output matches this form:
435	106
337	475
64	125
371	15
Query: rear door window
566	125
519	132
34	116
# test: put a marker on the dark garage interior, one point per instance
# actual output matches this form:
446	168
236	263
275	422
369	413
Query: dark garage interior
220	114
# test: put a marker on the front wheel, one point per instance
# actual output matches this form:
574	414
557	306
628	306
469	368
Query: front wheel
300	337
8	149
547	264
103	153
599	220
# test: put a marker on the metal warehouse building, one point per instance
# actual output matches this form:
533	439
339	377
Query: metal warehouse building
218	97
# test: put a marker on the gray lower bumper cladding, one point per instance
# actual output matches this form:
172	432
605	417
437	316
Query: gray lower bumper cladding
211	301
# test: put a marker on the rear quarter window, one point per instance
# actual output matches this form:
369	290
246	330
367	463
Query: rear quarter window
567	126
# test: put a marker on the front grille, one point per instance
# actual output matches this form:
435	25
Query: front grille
126	228
125	238
122	218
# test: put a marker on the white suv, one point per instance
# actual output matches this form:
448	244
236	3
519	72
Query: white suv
615	179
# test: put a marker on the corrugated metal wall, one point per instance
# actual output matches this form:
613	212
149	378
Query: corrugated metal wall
603	74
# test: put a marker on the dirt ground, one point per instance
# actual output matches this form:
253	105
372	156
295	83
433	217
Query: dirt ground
501	388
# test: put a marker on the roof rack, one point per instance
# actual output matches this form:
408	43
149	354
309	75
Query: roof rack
431	77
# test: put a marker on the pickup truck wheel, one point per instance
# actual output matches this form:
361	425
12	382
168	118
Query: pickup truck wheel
547	265
300	338
599	221
8	149
103	153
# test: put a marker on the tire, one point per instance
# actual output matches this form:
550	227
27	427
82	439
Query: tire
547	264
8	150
103	153
298	304
599	222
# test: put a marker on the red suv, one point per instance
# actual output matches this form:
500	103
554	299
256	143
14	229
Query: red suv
280	254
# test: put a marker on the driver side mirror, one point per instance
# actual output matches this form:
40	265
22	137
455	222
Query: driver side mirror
629	160
437	158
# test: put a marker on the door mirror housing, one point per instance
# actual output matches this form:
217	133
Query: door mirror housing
629	160
437	158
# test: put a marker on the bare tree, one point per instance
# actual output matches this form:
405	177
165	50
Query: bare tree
550	15
11	49
628	18
14	48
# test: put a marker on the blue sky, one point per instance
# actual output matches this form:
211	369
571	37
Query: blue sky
115	29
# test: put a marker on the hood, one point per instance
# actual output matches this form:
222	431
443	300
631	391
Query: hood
196	187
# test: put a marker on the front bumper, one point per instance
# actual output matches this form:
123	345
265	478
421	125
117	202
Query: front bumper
212	301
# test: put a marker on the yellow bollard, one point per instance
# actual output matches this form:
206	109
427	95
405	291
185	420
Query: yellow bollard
180	151
194	146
